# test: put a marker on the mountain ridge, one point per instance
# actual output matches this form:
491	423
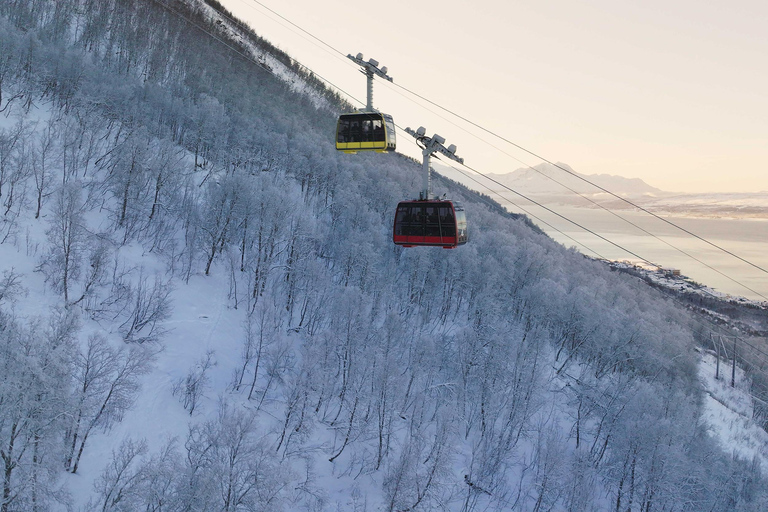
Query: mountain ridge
543	178
547	184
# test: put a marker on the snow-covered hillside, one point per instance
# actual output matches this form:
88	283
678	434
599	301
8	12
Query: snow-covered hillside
729	411
201	308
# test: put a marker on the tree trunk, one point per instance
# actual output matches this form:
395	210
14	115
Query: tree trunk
9	466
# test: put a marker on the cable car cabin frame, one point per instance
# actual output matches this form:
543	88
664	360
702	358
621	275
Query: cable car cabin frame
434	222
365	131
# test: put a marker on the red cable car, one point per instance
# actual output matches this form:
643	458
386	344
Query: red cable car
433	222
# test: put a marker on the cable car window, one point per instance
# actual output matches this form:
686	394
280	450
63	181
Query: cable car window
447	221
432	221
403	221
343	131
408	221
355	134
389	125
416	224
367	130
378	130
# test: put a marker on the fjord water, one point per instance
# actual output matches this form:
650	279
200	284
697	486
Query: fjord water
747	238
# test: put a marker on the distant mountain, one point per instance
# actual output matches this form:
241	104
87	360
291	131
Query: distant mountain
547	179
552	185
557	185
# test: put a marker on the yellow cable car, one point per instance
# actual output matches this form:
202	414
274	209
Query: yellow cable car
365	131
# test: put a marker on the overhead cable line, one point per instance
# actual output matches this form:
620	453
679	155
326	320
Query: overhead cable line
517	205
298	27
644	231
251	59
560	167
576	175
604	238
615	214
633	224
579	225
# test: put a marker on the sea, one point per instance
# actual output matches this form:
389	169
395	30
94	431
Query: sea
725	257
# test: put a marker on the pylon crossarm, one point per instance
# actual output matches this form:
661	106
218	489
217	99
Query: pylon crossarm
370	68
430	146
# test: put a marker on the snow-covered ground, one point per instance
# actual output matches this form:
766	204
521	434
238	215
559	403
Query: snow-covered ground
728	411
200	321
294	81
203	322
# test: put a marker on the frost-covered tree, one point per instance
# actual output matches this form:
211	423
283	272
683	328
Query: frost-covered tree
511	374
42	165
192	387
106	381
232	466
67	236
35	369
149	305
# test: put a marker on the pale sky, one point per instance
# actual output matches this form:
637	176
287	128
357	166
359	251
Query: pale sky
674	92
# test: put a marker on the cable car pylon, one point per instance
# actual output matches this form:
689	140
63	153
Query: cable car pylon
431	145
428	221
369	129
370	69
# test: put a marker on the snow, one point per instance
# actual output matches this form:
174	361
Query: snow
200	321
728	411
203	321
265	60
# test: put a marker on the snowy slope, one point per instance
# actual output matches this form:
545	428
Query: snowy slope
227	28
332	371
729	411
